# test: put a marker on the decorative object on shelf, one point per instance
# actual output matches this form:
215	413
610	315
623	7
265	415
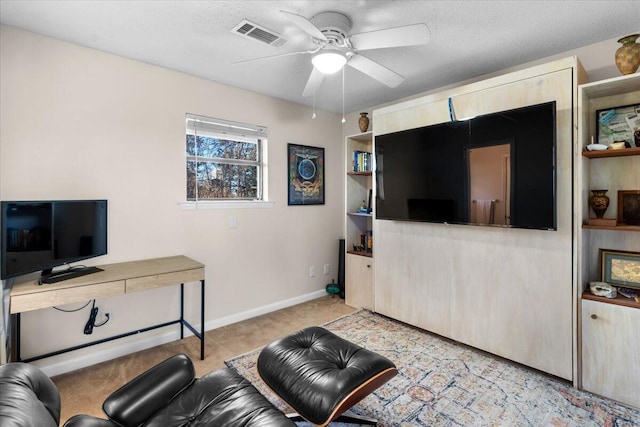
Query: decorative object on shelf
618	125
306	175
629	207
629	293
620	268
599	202
363	208
596	147
628	55
617	145
363	122
603	289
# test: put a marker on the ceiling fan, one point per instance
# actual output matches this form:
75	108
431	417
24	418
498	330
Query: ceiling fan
335	47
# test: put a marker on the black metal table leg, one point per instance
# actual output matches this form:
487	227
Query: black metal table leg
181	310
202	319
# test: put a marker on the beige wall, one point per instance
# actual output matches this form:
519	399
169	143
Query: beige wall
78	123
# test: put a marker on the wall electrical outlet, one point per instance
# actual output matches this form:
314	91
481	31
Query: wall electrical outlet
312	272
327	269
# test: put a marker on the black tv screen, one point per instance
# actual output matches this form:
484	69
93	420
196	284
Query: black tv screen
41	235
496	169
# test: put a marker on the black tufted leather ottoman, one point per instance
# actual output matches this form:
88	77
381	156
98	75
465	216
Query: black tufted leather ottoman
321	375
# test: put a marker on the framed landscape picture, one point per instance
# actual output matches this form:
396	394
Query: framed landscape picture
620	268
305	175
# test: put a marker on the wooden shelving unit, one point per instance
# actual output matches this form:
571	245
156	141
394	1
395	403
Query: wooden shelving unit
358	190
635	151
608	327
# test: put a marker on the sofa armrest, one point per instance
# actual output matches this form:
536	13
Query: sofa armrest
136	401
28	396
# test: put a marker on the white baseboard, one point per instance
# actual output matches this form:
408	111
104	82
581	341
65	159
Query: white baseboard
73	363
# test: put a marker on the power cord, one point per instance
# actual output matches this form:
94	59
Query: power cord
91	323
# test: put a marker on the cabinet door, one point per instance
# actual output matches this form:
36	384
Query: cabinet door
610	351
359	281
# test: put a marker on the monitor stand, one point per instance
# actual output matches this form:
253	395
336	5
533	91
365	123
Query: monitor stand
71	273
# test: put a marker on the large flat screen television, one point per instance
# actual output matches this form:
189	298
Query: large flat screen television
42	235
497	169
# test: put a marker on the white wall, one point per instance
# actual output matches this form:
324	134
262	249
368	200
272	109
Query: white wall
78	123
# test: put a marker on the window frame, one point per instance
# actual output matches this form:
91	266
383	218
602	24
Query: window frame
230	131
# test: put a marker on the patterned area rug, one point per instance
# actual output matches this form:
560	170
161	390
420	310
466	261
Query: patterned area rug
441	383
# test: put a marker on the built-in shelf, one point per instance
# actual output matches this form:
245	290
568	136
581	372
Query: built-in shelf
368	215
619	300
364	173
611	228
635	151
361	253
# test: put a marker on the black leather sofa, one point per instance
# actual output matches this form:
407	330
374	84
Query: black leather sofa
168	394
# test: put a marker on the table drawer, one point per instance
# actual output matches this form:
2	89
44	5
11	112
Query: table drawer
55	297
161	280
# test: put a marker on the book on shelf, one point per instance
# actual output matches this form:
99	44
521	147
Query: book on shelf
362	161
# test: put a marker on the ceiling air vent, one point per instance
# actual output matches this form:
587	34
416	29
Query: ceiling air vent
256	32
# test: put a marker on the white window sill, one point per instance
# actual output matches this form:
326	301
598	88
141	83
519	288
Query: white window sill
238	204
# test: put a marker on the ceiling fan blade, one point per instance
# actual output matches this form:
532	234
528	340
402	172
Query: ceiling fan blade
409	35
314	82
375	70
305	24
273	56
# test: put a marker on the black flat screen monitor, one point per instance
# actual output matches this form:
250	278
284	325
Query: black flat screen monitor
41	235
497	170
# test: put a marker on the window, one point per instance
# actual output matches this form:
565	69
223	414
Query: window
224	159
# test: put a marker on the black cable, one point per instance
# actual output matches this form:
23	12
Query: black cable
88	327
74	310
91	323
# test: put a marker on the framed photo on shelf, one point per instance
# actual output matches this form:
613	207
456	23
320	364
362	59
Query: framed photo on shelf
305	184
629	207
617	124
621	268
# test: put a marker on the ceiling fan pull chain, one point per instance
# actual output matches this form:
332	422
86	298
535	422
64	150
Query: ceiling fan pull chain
313	116
343	119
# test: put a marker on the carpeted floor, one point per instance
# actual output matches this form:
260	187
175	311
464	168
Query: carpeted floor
441	383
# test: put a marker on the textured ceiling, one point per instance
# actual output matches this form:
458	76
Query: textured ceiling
468	39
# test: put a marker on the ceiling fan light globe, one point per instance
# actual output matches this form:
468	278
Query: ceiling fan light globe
329	62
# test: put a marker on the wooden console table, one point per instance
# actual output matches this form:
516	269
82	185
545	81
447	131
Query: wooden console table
115	279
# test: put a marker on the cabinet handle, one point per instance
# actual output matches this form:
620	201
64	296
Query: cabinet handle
594	316
368	265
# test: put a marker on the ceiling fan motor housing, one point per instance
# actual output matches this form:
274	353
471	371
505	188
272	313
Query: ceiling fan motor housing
335	26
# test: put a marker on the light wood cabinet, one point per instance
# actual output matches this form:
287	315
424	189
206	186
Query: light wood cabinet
359	281
610	351
359	220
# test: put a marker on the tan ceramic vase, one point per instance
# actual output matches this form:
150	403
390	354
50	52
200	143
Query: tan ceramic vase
628	55
363	122
599	202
